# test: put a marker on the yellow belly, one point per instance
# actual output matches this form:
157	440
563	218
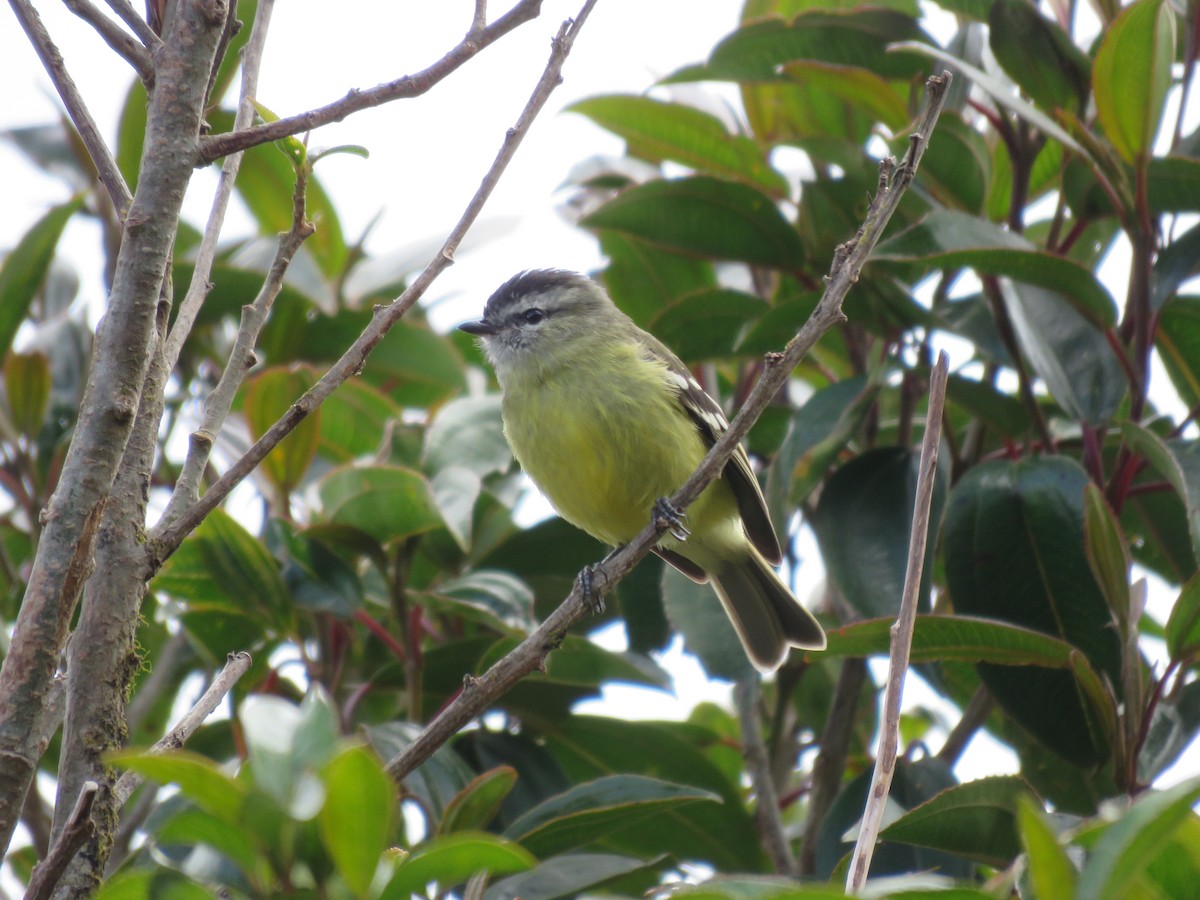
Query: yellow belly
604	448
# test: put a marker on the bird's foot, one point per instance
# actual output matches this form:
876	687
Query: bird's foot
587	587
670	519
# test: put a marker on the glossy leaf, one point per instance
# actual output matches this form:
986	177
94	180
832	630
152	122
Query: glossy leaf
356	820
1038	55
591	810
269	396
25	266
947	238
565	875
655	130
1131	843
354	421
863	522
452	860
315	574
1131	75
469	433
1176	460
502	597
27	390
976	820
386	502
1067	351
199	779
1014	550
475	806
703	217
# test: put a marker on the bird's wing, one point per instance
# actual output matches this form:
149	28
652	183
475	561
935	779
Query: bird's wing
710	420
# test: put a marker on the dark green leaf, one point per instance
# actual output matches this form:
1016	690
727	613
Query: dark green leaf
587	812
1131	76
317	577
976	820
948	239
1014	550
501	597
655	130
707	325
354	421
996	409
1038	55
1107	554
193	826
452	860
703	217
1183	627
1178	342
863	522
567	875
957	164
475	806
1176	460
695	612
1173	728
25	267
643	279
269	395
1177	262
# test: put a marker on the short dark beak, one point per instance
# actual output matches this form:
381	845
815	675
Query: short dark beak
481	327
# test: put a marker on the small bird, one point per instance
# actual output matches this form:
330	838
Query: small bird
608	422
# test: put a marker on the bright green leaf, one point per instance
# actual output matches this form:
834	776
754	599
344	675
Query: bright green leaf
387	502
199	779
270	394
1050	870
27	389
356	820
453	860
474	807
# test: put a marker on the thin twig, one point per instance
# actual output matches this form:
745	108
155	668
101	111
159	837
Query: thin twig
47	873
235	667
746	697
405	87
169	535
200	286
136	24
902	630
102	158
978	708
126	46
478	693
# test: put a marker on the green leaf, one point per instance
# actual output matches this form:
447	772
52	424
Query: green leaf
221	567
863	522
1131	843
996	409
356	820
354	421
1176	460
1183	626
1013	543
269	396
655	130
1107	553
587	812
159	884
643	279
25	266
721	834
1176	263
198	779
455	491
957	165
386	502
1038	55
949	239
976	820
1050	870
859	88
453	860
468	432
1131	75
475	806
500	596
959	638
704	217
1067	351
131	132
567	875
707	325
1173	728
194	826
27	389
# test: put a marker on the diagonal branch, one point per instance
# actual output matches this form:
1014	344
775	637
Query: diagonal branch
168	535
902	631
47	873
102	158
478	693
402	88
116	37
136	24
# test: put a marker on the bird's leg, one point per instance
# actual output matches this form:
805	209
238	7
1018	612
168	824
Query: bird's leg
670	519
592	597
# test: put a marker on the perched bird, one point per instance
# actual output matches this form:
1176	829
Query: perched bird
607	422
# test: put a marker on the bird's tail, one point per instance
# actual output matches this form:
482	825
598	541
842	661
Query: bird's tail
767	618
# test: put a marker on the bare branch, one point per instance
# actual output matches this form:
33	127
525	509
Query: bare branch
198	290
241	359
746	696
402	88
47	873
978	709
902	630
479	20
136	24
478	693
237	665
116	37
102	158
168	535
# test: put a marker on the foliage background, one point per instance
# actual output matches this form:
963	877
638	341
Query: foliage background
389	564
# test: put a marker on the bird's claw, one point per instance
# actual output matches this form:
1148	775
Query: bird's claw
591	596
670	519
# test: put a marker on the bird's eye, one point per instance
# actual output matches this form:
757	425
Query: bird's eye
533	316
